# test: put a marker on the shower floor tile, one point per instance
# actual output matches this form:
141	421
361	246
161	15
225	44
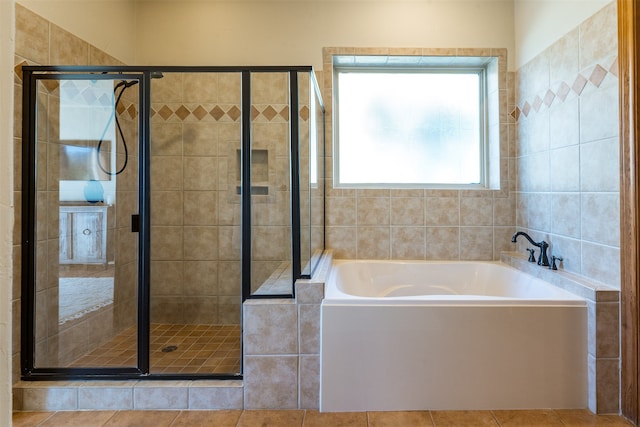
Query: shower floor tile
185	349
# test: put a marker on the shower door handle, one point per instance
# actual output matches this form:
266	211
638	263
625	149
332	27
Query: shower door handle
135	223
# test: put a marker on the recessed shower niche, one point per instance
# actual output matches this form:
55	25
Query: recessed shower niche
259	171
210	183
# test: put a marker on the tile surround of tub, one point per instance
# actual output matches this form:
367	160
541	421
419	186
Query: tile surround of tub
282	346
603	336
568	148
296	360
367	223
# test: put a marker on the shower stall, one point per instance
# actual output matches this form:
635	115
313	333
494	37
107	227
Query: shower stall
155	201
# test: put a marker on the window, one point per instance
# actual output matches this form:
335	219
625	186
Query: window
412	123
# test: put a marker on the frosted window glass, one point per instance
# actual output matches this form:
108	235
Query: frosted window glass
409	128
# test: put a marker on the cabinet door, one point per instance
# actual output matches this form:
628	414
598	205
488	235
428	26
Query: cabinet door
66	229
88	238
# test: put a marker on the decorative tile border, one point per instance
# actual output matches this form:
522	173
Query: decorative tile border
578	85
182	112
221	113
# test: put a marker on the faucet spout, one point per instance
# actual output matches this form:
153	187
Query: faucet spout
543	260
522	233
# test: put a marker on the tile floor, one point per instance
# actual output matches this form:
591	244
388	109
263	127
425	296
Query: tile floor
198	349
310	418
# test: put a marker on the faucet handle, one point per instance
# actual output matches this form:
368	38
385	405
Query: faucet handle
532	257
553	262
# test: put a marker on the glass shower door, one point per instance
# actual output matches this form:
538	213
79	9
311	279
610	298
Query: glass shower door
85	192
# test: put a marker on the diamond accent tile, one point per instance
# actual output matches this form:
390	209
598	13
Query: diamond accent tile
269	112
579	84
133	111
104	100
51	85
234	112
304	113
597	75
165	112
120	109
217	113
153	112
182	112
284	113
254	112
563	91
548	98
516	113
70	89
537	103
614	67
18	69
200	112
89	97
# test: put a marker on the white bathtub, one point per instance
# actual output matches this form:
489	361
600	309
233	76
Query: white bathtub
449	335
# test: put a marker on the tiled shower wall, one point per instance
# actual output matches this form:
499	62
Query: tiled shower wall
195	167
427	224
40	42
270	213
195	215
122	244
568	167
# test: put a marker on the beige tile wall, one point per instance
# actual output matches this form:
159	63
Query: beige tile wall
427	224
120	240
567	151
282	346
568	175
195	213
195	237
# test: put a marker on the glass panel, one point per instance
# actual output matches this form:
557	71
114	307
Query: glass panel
271	263
87	190
195	223
316	180
307	168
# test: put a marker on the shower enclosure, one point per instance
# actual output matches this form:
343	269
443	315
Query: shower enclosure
155	201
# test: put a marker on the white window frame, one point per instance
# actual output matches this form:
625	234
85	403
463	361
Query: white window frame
415	64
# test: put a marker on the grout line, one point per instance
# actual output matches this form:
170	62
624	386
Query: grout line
496	419
433	422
